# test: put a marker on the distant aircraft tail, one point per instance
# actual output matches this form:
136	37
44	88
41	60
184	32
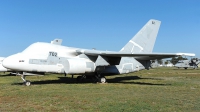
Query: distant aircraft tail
57	41
144	40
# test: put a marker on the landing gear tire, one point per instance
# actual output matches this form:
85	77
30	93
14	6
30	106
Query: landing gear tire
102	80
27	83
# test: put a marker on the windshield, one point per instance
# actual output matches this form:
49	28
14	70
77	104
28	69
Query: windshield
37	48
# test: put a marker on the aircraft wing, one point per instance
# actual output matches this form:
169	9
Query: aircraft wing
138	56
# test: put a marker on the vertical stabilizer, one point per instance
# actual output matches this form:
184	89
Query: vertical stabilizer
144	40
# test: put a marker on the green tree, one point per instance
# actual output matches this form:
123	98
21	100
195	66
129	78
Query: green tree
174	60
160	61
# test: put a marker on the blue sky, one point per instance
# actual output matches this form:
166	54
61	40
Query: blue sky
100	24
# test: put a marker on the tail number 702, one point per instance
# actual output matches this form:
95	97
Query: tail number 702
53	54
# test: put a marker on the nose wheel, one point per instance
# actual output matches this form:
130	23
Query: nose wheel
26	82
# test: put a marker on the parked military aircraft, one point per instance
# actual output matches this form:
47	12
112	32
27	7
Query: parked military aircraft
43	57
187	64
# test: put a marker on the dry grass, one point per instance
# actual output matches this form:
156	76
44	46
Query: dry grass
159	89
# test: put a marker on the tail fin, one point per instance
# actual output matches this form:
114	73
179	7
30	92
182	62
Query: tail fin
144	40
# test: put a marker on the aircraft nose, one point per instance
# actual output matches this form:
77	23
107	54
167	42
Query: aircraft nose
11	61
7	62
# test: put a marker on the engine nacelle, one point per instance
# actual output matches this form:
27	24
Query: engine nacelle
78	66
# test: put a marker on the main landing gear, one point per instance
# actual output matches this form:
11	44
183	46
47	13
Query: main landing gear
95	78
100	79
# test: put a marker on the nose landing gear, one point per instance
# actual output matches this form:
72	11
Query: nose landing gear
26	82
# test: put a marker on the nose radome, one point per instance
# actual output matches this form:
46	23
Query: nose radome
7	62
11	61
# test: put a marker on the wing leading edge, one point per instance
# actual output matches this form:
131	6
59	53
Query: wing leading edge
138	56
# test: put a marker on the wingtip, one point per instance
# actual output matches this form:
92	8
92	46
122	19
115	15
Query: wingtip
186	54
